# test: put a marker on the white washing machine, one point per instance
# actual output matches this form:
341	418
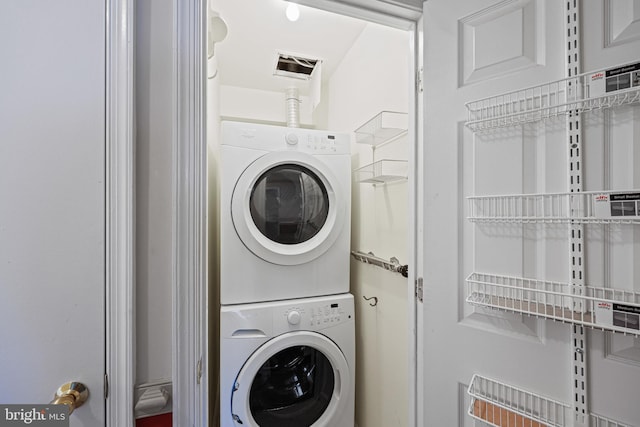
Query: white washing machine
288	363
285	213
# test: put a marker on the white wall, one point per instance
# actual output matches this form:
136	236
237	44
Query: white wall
154	80
260	106
370	79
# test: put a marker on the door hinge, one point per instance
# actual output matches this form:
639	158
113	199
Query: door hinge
199	371
419	288
419	80
106	386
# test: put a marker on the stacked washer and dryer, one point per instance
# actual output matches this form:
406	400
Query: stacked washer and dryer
287	344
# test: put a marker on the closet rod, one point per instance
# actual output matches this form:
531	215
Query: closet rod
392	265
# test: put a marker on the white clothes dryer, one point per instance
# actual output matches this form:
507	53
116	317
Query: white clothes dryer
288	363
285	197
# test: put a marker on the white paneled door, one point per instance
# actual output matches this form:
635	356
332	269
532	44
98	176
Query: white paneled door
476	49
52	202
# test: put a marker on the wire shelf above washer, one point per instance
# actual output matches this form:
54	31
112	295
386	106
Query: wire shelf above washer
584	92
384	127
382	171
607	309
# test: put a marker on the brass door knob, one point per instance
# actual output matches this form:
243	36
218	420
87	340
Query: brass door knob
72	394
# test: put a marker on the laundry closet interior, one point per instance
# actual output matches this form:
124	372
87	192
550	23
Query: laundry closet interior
493	142
349	79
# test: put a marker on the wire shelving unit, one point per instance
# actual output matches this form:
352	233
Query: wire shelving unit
588	207
607	309
559	98
382	128
383	171
499	405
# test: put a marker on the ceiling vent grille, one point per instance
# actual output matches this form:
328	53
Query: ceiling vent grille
297	67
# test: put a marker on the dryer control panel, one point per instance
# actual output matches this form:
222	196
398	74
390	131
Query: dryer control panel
318	143
276	138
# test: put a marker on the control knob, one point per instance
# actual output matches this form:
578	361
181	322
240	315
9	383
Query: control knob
291	138
293	317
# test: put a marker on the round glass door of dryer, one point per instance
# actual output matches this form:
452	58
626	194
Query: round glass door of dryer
288	208
294	380
289	204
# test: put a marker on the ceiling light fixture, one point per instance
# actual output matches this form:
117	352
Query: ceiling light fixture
293	12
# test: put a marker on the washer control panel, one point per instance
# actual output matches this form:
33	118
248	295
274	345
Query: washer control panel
314	316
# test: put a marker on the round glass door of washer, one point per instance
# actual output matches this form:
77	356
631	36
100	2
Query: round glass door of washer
293	387
287	211
292	383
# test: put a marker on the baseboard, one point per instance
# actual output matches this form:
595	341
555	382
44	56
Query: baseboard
153	398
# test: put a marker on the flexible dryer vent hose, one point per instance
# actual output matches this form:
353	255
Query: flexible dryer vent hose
293	107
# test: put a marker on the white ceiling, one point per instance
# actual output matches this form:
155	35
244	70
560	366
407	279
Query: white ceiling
259	29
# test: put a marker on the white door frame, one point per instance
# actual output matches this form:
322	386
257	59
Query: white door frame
190	290
119	205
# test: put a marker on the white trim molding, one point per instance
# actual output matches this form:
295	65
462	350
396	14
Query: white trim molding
190	291
119	253
392	13
153	398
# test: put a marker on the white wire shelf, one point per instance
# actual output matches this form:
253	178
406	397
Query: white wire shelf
584	92
383	127
593	207
600	421
607	309
502	405
382	171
